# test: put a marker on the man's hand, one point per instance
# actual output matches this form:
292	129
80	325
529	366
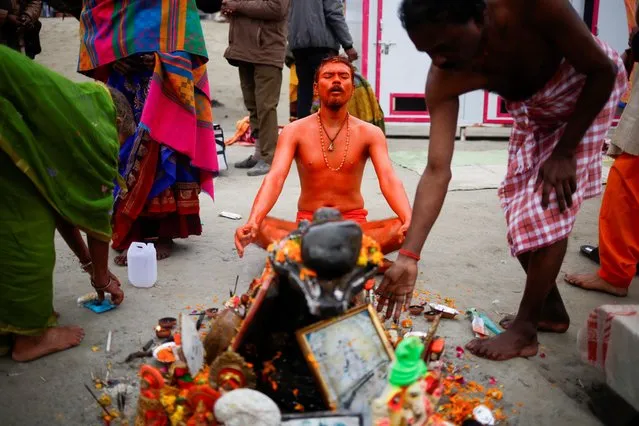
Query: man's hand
403	230
397	287
245	235
352	54
228	7
13	20
25	21
632	35
559	172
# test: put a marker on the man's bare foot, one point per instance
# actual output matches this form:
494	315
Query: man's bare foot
517	341
55	339
163	248
554	317
548	326
594	282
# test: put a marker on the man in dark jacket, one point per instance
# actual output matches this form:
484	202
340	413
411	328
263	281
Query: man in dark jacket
317	29
257	46
19	25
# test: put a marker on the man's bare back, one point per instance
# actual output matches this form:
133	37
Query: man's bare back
514	57
330	149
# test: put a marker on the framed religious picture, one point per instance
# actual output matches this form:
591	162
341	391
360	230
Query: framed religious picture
350	357
327	418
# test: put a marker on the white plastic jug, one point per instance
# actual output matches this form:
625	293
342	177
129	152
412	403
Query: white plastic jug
143	264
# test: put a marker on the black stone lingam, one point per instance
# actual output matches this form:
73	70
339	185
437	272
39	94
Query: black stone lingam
330	247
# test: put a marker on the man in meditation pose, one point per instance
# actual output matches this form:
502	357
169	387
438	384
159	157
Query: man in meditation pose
330	149
562	90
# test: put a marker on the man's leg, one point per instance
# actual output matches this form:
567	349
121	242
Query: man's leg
554	317
385	232
520	339
247	83
618	231
268	85
272	230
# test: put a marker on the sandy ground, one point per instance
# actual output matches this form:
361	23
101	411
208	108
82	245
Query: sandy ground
466	258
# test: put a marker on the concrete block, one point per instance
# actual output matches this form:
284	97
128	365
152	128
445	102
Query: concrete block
622	374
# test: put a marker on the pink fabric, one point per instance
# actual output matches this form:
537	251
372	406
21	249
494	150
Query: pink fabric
180	115
539	123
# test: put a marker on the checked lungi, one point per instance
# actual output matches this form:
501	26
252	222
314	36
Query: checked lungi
539	123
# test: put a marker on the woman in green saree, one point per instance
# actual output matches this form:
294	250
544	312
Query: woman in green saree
59	143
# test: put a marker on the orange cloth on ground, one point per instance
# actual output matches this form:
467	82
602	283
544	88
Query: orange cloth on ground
619	223
357	215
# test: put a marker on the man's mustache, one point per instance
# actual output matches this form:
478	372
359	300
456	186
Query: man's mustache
337	89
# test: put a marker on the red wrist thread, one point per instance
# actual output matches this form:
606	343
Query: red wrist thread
409	253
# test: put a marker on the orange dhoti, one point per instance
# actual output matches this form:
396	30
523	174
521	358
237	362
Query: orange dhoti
385	232
619	223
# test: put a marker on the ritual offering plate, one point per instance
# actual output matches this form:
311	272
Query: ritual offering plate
167	322
164	353
447	312
431	315
211	312
415	310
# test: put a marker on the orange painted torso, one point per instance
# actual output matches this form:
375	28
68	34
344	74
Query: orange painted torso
321	186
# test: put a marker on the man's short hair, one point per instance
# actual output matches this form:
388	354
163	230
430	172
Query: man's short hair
336	59
414	13
126	124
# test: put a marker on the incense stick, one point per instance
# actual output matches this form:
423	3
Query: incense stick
237	278
97	400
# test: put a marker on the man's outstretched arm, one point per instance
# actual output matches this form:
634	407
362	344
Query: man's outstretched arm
433	185
270	190
398	284
389	183
274	181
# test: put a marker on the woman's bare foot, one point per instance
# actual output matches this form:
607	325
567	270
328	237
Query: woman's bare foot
594	282
163	248
520	340
55	339
120	259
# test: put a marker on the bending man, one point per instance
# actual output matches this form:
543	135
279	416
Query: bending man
562	91
330	149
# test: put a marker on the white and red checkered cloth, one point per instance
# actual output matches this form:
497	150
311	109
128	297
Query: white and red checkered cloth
539	123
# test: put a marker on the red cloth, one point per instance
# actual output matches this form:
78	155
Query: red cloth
539	123
357	215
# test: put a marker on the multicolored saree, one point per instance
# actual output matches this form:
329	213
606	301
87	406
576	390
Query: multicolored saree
173	154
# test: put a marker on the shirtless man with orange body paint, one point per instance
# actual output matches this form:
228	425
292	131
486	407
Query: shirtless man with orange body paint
330	149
